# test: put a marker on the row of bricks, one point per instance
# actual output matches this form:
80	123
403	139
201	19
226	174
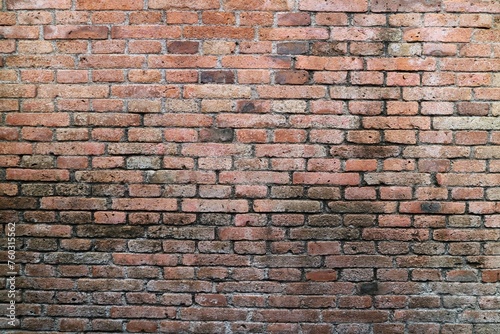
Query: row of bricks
198	327
262	5
108	111
214	91
361	220
258	191
280	77
262	18
220	47
313	63
197	205
428	34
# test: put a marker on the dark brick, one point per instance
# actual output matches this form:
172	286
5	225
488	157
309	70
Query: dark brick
291	77
222	77
328	49
293	48
186	47
216	135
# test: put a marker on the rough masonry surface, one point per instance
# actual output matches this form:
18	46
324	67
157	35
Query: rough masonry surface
251	166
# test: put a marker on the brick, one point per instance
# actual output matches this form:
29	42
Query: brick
437	34
402	64
294	19
466	123
329	63
257	61
289	136
138	46
261	5
183	47
277	34
75	32
110	61
190	4
62	203
44	4
108	76
253	177
145	32
326	178
40	61
293	48
141	91
188	120
109	5
285	206
363	34
205	32
334	6
404	6
218	18
223	77
216	91
195	205
464	65
72	76
108	17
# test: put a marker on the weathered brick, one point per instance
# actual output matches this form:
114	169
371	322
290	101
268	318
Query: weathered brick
334	6
278	5
145	32
109	5
75	32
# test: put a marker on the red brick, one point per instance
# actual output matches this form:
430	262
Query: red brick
251	233
329	63
401	64
75	32
195	205
16	148
334	6
142	326
360	165
277	34
166	204
331	19
438	34
108	176
145	17
108	76
218	18
291	77
108	17
9	133
141	91
146	32
257	61
110	61
72	162
73	203
37	175
109	47
278	5
109	5
188	4
294	19
44	4
69	76
403	6
194	32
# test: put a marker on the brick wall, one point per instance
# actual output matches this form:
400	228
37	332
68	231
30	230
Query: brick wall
252	166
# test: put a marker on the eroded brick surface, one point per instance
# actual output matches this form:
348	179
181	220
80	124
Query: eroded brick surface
251	166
